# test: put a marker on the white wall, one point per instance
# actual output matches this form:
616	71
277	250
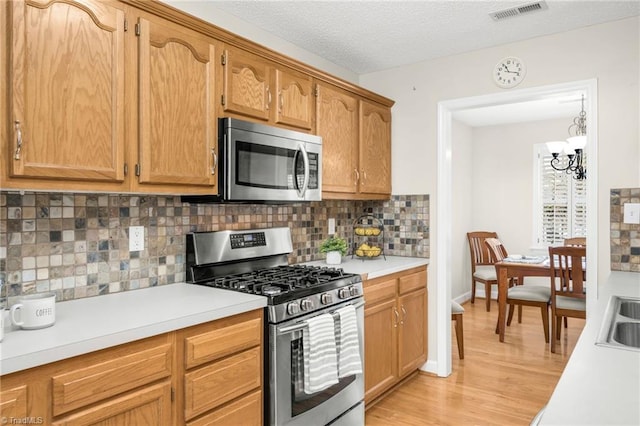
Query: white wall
502	195
493	187
609	52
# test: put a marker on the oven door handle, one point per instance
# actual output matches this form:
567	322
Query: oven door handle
300	325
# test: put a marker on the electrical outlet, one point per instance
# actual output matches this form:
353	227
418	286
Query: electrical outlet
136	238
331	225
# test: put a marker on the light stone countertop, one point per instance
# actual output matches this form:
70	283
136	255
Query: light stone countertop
94	323
377	267
600	385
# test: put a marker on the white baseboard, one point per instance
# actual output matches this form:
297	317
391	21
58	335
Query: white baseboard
480	293
430	366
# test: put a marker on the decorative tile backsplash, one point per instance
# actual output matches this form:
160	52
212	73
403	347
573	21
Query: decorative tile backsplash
625	237
77	245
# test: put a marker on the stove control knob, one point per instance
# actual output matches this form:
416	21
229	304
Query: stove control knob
293	308
343	293
353	291
326	298
306	305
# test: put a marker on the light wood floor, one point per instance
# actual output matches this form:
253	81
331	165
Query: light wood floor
495	384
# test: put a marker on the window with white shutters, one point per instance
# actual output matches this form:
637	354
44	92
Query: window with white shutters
560	201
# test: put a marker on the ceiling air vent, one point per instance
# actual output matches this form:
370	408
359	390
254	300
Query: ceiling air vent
519	10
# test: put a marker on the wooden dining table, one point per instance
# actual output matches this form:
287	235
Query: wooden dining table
510	269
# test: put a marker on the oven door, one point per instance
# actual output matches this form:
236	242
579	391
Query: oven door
271	167
287	402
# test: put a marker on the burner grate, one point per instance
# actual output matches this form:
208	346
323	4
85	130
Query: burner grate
279	280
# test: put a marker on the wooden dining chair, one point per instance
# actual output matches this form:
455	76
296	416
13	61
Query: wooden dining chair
568	296
522	295
576	241
456	315
482	269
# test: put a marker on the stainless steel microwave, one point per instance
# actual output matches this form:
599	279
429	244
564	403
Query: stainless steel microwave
261	163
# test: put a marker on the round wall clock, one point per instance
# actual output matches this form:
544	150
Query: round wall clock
509	72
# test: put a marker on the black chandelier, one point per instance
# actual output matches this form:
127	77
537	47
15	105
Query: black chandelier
573	147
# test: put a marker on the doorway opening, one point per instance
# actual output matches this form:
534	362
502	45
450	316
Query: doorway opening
445	212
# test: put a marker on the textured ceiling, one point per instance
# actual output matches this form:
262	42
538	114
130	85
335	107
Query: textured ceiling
368	36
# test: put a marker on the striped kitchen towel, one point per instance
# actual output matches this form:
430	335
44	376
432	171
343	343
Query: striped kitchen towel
319	347
348	348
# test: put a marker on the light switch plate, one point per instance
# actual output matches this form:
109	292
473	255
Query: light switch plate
632	213
136	238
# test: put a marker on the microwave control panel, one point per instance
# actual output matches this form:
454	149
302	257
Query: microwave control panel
250	239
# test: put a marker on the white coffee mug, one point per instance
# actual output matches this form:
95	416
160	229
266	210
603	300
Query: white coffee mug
34	311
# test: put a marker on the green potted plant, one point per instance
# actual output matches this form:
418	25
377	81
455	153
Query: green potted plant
335	247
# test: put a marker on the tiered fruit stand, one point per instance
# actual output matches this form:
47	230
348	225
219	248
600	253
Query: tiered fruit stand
368	241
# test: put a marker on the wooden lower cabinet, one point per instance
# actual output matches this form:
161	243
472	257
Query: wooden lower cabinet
395	319
208	374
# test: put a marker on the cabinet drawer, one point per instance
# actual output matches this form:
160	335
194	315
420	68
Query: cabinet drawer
13	402
147	406
227	338
413	282
246	411
111	373
214	384
379	291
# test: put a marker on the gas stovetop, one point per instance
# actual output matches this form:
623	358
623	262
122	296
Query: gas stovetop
285	283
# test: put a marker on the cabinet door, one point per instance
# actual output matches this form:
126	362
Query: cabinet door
412	339
67	90
380	350
177	106
375	148
147	406
337	123
295	102
246	84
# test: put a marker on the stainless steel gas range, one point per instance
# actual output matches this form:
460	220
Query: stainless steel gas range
255	261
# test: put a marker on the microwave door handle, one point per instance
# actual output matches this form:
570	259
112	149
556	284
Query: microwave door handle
305	184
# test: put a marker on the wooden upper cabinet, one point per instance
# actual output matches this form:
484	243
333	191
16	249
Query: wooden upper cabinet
176	105
66	104
246	88
375	148
254	87
294	98
337	123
